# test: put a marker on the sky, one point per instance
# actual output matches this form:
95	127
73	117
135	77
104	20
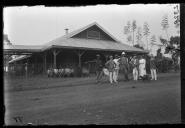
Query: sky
37	25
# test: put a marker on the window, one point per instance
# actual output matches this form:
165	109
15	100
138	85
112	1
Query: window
93	34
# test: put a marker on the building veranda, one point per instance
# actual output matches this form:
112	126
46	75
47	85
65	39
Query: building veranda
74	50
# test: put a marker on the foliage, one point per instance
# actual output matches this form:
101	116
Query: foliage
134	26
163	41
129	38
164	23
127	30
138	46
153	40
130	28
159	54
173	46
139	35
6	40
146	32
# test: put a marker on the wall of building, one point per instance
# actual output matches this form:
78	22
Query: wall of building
103	36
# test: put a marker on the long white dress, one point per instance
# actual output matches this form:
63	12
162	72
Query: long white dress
142	69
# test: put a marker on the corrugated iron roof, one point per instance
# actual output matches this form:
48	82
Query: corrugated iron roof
94	44
23	48
67	41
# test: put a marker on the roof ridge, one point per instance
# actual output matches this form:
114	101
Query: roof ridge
71	34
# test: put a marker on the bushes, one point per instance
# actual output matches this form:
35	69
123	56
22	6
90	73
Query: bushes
164	65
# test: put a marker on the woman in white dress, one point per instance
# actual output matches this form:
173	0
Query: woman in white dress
142	68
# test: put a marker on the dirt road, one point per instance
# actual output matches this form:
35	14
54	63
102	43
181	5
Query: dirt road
128	103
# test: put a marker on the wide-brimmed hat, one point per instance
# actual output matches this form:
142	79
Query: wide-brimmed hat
123	53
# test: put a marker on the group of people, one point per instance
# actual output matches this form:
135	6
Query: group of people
122	64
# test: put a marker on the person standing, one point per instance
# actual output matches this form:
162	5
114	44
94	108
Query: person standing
116	70
124	66
135	65
110	64
99	68
142	67
153	68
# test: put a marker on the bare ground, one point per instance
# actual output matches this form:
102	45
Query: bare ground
40	100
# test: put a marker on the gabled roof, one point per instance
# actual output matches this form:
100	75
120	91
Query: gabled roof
67	41
73	33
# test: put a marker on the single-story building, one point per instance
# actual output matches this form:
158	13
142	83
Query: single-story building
74	49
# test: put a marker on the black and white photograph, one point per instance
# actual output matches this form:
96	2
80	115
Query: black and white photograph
95	64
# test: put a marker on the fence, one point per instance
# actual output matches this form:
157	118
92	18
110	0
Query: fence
24	70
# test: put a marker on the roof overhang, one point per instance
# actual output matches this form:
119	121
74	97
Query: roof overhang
19	58
97	49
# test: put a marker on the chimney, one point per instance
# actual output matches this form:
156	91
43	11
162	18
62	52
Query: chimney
66	30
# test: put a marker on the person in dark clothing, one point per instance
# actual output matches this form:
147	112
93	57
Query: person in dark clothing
153	68
124	66
99	68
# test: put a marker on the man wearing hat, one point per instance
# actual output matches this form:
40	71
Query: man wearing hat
124	65
99	68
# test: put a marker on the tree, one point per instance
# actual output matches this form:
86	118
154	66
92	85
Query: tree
152	41
173	46
127	31
138	46
129	38
6	41
146	32
139	36
134	26
165	25
129	27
